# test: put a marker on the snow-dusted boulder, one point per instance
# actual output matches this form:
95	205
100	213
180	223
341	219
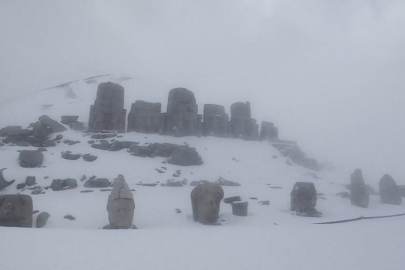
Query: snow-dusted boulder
205	200
31	158
16	211
389	191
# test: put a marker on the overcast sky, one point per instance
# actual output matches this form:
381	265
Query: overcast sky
329	74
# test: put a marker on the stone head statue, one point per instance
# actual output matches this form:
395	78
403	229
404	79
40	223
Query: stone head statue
121	205
206	199
16	211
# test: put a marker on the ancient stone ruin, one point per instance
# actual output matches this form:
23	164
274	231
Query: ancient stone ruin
145	117
16	211
185	156
389	191
215	121
242	125
120	205
108	111
303	199
268	131
205	200
358	190
181	118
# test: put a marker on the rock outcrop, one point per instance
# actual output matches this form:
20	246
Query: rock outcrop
144	117
242	125
108	111
121	205
358	190
205	200
268	131
215	121
303	199
389	191
185	156
16	211
181	118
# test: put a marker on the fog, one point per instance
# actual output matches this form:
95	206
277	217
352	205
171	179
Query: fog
329	74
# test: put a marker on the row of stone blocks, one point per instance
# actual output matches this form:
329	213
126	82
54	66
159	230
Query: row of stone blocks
180	119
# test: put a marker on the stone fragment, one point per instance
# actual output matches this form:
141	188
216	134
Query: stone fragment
69	119
78	126
303	199
41	131
97	183
70	156
3	182
121	205
358	191
16	211
42	219
59	184
185	156
69	217
232	199
108	111
389	191
21	186
31	158
89	158
228	183
205	200
54	125
30	181
144	117
240	208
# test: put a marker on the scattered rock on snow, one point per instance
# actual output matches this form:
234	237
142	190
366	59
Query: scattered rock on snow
42	219
240	208
31	158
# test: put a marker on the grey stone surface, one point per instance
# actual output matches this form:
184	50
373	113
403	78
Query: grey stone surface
205	201
358	191
31	158
78	126
121	205
3	182
54	125
89	157
242	125
41	131
70	156
185	156
108	111
144	117
268	131
30	181
303	199
232	199
389	191
97	183
13	130
215	121
181	118
16	211
42	218
59	184
240	208
69	119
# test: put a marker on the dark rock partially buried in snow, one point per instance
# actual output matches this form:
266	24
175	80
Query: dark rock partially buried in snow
358	190
121	205
205	201
3	182
59	184
69	119
185	156
42	219
31	158
16	211
70	156
89	158
240	208
389	191
303	199
30	181
232	199
54	125
97	183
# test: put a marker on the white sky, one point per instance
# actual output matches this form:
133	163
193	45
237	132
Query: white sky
329	74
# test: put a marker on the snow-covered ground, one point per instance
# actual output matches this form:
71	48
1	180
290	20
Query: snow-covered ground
270	237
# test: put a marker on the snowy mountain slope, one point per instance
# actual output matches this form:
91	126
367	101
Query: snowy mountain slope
166	239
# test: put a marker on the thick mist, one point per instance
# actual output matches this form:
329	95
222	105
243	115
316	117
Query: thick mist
329	74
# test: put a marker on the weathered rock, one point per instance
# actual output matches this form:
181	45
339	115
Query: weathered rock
3	182
343	195
69	217
70	142
268	131
13	131
389	191
59	184
303	199
54	125
16	211
41	131
42	219
31	159
240	208
242	125
185	156
228	183
70	156
292	151
205	200
49	143
358	191
30	181
21	186
103	145
144	117
215	121
121	205
232	199
119	145
264	202
97	183
401	189
181	118
69	119
89	158
108	111
78	126
172	183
